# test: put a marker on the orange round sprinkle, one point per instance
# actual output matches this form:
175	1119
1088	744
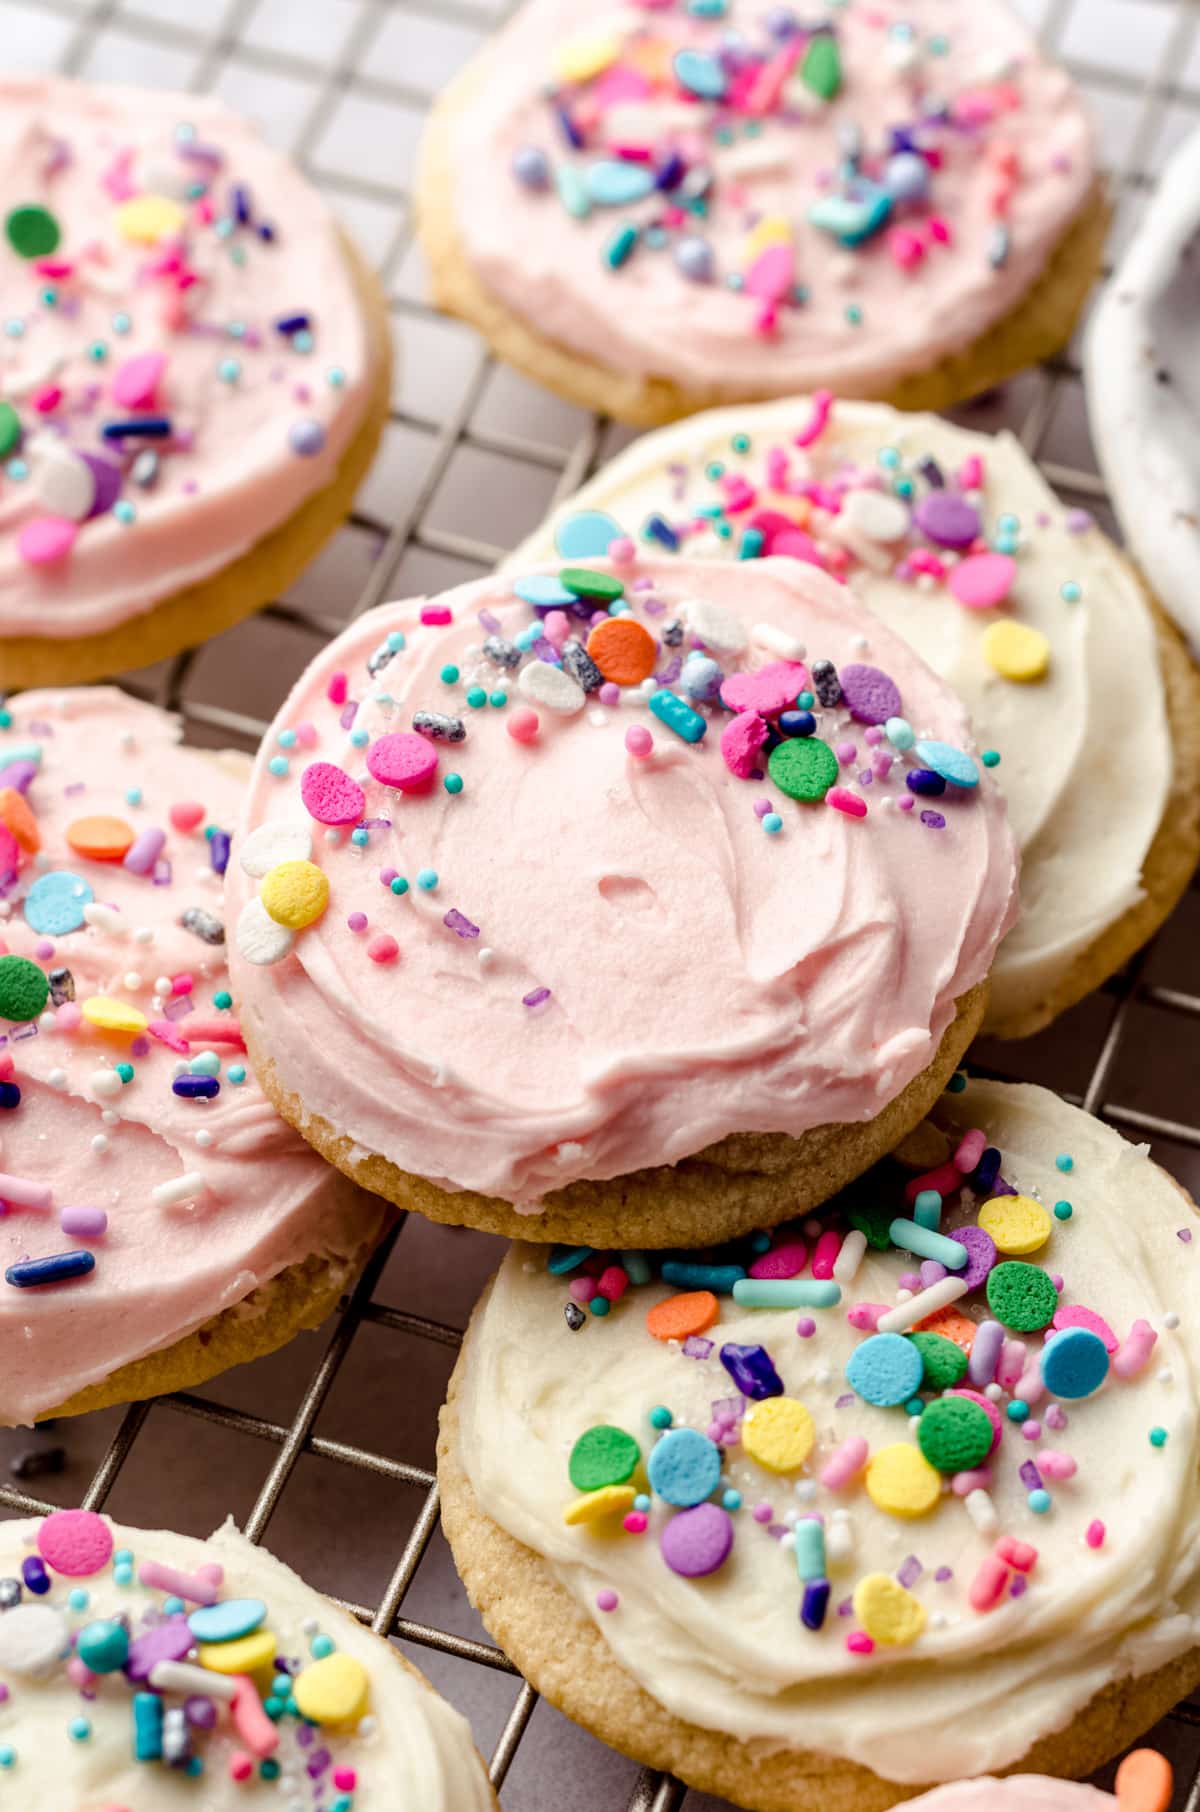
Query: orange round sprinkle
20	820
1144	1782
678	1316
951	1325
103	839
623	650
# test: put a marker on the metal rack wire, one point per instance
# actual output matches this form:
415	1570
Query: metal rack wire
335	71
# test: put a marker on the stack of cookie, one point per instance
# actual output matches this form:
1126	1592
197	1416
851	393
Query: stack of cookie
830	1434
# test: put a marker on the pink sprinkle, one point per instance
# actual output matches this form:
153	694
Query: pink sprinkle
859	1643
906	248
1135	1350
873	735
182	984
83	1223
241	1765
826	1251
581	1289
345	1780
609	693
306	735
982	581
68	1016
814	427
761	1513
335	692
844	801
905	804
978	1479
846	753
522	725
845	1464
43	949
939	230
383	948
136	380
785	1260
922	561
806	1327
866	1316
639	741
436	615
621	551
46	401
1074	1315
79	1672
607	1600
1095	1534
636	1523
556	627
970	1149
612	1283
1055	1465
46	539
357	921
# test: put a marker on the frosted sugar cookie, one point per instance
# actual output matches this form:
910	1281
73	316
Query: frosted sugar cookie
160	1221
902	1495
623	902
652	209
194	371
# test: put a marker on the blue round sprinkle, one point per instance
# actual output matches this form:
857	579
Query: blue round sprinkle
684	1467
581	536
701	73
1039	1502
1074	1364
545	593
886	1370
54	904
227	1621
614	182
954	765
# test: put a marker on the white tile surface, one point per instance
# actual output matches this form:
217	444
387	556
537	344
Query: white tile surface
278	104
122	56
34	40
419	50
316	30
1126	36
369	138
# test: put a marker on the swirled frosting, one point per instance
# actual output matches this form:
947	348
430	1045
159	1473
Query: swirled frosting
1001	1600
789	477
611	950
762	204
204	1199
1143	391
69	1734
183	357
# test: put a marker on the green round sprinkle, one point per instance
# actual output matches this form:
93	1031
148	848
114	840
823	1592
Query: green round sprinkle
945	1364
1063	1211
449	674
477	698
10	429
8	1755
583	583
1017	1411
1064	1161
453	783
600	1305
854	315
602	1455
1021	1296
269	1770
125	1072
24	989
954	1434
803	767
320	1646
805	701
914	1406
498	700
740	443
79	1730
223	1000
32	231
714	470
956	1084
399	885
661	1417
990	758
1158	1437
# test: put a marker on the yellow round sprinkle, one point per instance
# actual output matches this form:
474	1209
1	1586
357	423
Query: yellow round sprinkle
887	1612
610	1500
776	229
584	58
295	893
332	1691
1017	1223
109	1015
1016	651
901	1481
778	1433
148	218
247	1655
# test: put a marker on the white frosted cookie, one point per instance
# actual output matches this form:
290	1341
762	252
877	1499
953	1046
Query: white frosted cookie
1023	605
896	1497
142	1671
1143	390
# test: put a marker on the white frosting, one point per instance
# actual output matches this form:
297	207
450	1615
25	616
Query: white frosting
1084	819
1143	390
419	1757
728	1652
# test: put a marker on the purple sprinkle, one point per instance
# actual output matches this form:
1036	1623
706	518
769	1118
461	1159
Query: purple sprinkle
461	925
305	1736
387	876
1001	1187
670	673
318	1763
806	1327
349	713
932	1271
846	1607
1056	1417
140	1047
778	1530
179	1006
1078	522
944	1574
910	1280
1185	1234
490	621
535	997
909	1573
845	1400
545	650
1029	1476
218	851
1018	1587
371	824
696	1347
76	786
934	820
29	1031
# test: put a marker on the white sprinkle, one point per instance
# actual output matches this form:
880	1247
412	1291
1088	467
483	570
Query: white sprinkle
778	641
981	1510
133	981
143	935
105	1085
100	1142
848	1260
204	1138
180	1189
57	1079
162	985
105	918
938	1296
181	1676
1171	1320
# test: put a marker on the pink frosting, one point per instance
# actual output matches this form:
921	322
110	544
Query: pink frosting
167	318
1006	173
1017	1793
704	977
265	1200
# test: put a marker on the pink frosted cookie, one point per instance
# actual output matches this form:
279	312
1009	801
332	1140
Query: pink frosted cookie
193	376
160	1222
1144	1783
587	927
671	205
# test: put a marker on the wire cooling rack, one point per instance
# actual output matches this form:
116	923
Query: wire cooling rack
327	1448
